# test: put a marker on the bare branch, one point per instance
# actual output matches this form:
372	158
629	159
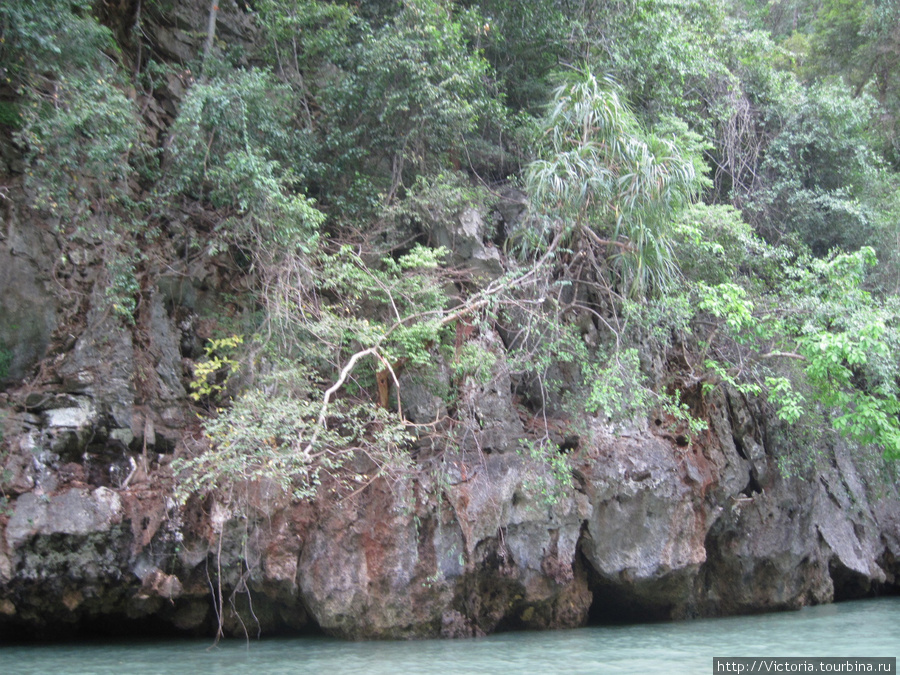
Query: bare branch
332	390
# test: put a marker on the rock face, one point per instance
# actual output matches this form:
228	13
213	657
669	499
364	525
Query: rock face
477	537
27	303
653	527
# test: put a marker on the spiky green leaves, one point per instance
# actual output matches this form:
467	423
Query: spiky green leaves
604	181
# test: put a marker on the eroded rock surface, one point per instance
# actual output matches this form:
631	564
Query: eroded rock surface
477	537
652	528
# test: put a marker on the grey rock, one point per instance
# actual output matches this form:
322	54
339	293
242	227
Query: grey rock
28	307
77	511
511	206
68	430
420	392
649	521
467	239
101	365
489	420
164	348
179	35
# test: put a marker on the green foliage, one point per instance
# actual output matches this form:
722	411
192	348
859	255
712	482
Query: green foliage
78	126
122	288
436	198
301	35
473	360
789	403
552	477
79	135
606	177
523	42
397	116
617	389
45	35
729	302
657	323
411	94
855	42
682	417
663	52
219	361
286	428
235	143
395	306
719	373
713	244
849	341
818	170
841	337
273	435
9	115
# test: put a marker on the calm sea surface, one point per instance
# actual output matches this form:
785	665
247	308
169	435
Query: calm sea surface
863	628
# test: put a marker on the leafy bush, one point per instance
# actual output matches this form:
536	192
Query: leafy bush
523	42
411	93
818	169
713	244
235	143
617	388
839	338
277	437
473	360
219	359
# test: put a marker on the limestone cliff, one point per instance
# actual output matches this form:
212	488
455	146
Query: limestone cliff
474	540
648	521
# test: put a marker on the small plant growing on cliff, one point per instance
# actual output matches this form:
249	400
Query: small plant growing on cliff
616	387
552	477
473	360
5	362
218	362
277	434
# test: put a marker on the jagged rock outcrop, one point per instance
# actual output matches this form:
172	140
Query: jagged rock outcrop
654	527
476	537
466	236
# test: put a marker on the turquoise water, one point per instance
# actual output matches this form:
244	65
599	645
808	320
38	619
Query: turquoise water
863	628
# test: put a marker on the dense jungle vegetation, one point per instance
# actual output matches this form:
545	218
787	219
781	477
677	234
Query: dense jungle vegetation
707	196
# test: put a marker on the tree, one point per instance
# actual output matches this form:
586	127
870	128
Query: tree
525	43
818	172
609	186
406	101
857	42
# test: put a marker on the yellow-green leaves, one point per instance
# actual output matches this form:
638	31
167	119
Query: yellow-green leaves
728	301
219	361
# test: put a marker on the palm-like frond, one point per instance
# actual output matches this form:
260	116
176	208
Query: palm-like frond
603	172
